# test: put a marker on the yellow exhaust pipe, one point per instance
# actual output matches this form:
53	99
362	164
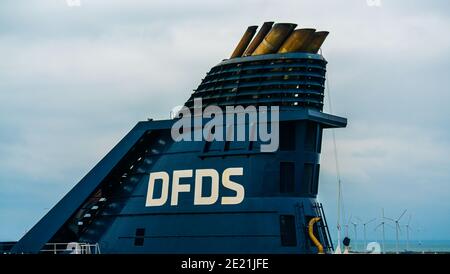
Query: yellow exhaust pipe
316	41
297	41
311	234
245	40
273	40
265	28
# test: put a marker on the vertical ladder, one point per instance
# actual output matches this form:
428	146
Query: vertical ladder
323	227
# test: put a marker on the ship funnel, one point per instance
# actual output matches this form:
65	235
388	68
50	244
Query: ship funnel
245	40
273	40
297	41
258	38
278	38
316	41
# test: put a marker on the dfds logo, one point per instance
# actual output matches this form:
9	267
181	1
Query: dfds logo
199	199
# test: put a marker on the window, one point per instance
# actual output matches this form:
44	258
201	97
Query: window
227	146
311	137
287	177
315	183
229	136
287	136
207	146
287	230
307	178
238	145
250	145
139	237
319	139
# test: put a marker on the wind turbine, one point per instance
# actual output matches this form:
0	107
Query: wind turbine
382	228
397	227
408	228
364	226
355	225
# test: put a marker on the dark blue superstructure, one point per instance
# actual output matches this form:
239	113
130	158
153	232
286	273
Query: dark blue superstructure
108	206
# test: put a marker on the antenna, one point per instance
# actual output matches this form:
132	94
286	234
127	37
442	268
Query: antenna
340	200
397	227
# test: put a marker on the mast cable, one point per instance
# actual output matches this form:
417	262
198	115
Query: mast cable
340	200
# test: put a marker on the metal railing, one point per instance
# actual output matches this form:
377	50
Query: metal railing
71	248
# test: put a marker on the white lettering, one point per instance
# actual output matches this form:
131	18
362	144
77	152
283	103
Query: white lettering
177	187
238	188
199	175
201	178
164	177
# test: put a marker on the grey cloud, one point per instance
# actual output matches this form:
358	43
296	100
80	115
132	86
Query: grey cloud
73	81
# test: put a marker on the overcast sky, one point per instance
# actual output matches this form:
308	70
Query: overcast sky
75	79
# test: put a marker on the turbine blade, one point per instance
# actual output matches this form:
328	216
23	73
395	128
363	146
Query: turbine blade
389	225
389	219
398	219
378	226
371	221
